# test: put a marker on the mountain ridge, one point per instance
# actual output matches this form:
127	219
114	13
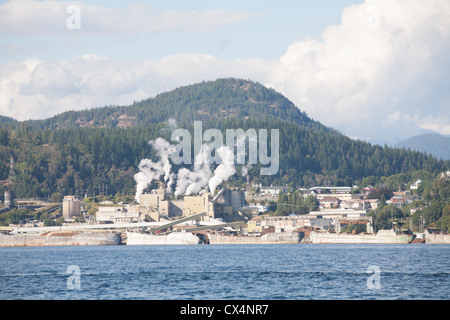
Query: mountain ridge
219	99
432	143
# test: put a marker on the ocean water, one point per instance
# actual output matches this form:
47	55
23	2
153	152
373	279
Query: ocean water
226	272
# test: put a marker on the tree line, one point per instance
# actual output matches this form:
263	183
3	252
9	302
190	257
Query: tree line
70	160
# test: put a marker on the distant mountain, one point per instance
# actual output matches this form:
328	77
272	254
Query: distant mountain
435	144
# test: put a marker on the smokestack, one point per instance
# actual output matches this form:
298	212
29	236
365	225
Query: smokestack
9	198
162	189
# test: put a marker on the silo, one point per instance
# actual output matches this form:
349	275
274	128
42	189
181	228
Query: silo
227	197
237	200
9	198
71	207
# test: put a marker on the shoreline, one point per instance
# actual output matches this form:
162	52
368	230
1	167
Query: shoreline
85	238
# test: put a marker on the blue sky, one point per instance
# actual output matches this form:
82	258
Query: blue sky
270	28
373	69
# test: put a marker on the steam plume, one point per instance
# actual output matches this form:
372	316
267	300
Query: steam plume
224	170
149	170
189	182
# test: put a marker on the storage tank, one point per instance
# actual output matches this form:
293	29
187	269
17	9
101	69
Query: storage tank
71	207
9	198
237	200
223	197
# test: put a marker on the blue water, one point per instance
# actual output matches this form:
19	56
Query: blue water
256	272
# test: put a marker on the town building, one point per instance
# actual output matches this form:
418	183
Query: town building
273	191
415	184
332	189
401	199
254	210
339	196
329	202
255	226
360	204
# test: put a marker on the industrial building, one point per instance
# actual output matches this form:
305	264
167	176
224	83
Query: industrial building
157	206
9	198
71	207
118	214
225	205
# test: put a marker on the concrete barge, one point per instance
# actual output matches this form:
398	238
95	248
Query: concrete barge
64	238
136	238
435	236
268	238
383	236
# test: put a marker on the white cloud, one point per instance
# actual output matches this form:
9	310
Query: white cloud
435	124
49	18
362	76
40	89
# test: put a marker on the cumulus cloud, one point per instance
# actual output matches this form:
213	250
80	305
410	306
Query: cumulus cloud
39	89
35	89
377	69
380	75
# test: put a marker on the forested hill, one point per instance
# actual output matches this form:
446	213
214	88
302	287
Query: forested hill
6	120
87	150
220	99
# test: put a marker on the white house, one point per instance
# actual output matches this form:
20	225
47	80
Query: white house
415	184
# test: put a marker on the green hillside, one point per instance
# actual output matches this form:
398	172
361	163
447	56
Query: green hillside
220	99
93	149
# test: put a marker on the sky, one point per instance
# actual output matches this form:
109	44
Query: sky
376	70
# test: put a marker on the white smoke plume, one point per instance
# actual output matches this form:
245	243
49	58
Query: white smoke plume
195	181
149	170
224	170
164	150
169	184
170	125
241	152
187	182
244	170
